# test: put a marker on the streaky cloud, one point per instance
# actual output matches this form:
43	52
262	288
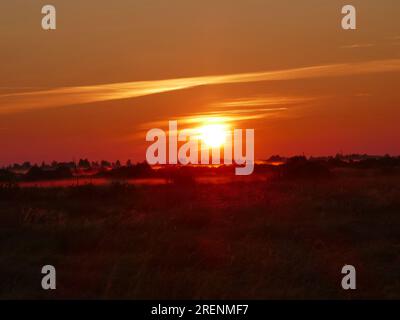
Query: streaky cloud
64	96
261	101
358	45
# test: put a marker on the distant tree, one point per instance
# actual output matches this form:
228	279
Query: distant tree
118	164
275	158
16	166
339	156
84	163
105	164
36	174
6	176
26	165
297	159
129	163
71	164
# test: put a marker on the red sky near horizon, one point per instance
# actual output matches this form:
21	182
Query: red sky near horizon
113	70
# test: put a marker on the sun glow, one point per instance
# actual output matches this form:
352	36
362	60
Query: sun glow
213	135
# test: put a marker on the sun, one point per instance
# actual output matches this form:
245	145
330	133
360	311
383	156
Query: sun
213	135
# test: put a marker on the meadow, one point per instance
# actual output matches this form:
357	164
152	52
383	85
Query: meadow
249	239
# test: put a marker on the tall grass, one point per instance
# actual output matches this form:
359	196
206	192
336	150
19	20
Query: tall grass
286	238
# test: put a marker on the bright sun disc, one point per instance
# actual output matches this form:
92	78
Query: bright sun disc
213	135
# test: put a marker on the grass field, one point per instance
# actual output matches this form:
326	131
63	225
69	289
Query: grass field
251	239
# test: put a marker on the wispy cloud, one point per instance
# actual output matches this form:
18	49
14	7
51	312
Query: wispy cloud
236	110
196	119
358	45
260	101
57	97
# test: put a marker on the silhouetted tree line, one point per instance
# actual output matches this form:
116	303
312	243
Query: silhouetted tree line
80	164
36	173
142	169
293	167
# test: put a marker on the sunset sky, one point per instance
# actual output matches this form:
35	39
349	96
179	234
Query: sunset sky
114	69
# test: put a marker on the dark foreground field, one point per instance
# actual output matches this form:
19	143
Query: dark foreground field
275	239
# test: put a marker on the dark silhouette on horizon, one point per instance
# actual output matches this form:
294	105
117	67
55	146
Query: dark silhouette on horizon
297	167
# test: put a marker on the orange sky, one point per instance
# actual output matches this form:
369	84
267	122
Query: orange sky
113	70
